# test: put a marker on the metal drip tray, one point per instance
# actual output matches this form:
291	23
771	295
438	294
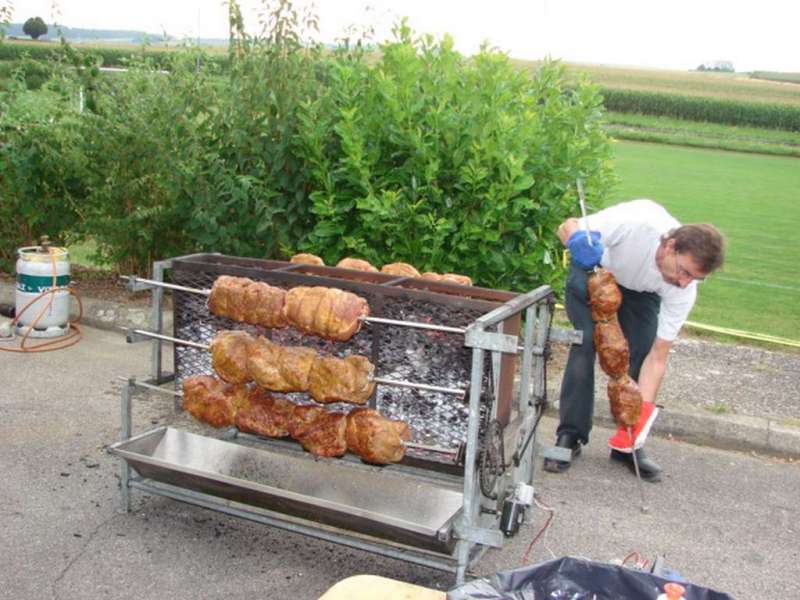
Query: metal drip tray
400	507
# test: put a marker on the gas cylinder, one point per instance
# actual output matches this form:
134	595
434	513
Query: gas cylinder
40	312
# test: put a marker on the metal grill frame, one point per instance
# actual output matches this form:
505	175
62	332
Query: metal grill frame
495	333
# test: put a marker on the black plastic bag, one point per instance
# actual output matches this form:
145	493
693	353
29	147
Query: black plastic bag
570	578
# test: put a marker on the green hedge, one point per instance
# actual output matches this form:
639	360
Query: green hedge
695	108
451	164
107	57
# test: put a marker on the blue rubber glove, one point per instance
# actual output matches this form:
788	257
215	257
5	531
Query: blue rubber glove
583	254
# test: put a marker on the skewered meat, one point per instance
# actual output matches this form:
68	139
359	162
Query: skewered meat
307	259
357	264
604	295
264	414
320	432
212	401
365	432
625	399
375	438
327	312
400	269
238	357
229	352
341	379
227	297
280	368
248	301
612	347
447	278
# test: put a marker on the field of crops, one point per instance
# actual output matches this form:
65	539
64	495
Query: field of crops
730	86
753	200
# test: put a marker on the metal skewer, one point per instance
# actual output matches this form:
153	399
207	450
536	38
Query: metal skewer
379	380
206	292
636	468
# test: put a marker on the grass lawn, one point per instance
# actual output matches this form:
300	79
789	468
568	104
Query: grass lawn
753	199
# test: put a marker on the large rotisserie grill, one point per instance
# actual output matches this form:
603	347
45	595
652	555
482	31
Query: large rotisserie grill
470	454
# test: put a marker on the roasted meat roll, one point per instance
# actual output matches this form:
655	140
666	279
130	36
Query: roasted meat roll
625	400
229	354
400	269
280	368
605	296
357	264
247	301
447	278
307	259
227	297
327	312
612	347
320	432
375	438
212	401
335	379
264	414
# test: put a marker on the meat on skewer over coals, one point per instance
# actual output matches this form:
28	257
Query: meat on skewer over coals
329	313
365	432
238	357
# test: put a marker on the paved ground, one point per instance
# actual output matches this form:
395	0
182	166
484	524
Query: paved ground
728	520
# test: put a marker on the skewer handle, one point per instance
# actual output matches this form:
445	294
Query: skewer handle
582	201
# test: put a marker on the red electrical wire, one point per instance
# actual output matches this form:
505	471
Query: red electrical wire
541	531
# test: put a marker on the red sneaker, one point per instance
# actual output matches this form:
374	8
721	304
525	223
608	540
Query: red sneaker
621	440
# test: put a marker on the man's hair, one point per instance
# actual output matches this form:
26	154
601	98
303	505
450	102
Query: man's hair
703	242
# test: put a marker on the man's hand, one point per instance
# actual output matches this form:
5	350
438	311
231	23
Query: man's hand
585	255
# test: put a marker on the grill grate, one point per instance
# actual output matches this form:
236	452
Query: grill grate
423	356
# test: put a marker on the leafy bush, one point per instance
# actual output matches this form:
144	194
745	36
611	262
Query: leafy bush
42	169
450	164
711	110
418	154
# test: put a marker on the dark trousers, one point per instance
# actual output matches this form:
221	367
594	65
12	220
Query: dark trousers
638	316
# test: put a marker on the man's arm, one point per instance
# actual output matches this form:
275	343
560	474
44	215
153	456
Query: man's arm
566	229
653	369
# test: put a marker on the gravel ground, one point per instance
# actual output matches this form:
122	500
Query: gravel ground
716	377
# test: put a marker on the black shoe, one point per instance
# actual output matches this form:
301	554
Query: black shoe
648	469
564	440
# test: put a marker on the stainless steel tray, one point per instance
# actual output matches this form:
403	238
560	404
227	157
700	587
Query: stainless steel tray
400	507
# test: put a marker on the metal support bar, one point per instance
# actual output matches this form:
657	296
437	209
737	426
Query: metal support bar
483	536
470	475
488	340
513	306
566	336
126	430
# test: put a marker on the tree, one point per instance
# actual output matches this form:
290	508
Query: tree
34	27
6	11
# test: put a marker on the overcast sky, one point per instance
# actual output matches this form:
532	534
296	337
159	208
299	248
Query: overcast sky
675	34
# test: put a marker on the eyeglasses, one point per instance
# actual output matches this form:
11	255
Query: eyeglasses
684	273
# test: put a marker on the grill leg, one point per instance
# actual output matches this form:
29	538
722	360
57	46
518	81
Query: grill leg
126	430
